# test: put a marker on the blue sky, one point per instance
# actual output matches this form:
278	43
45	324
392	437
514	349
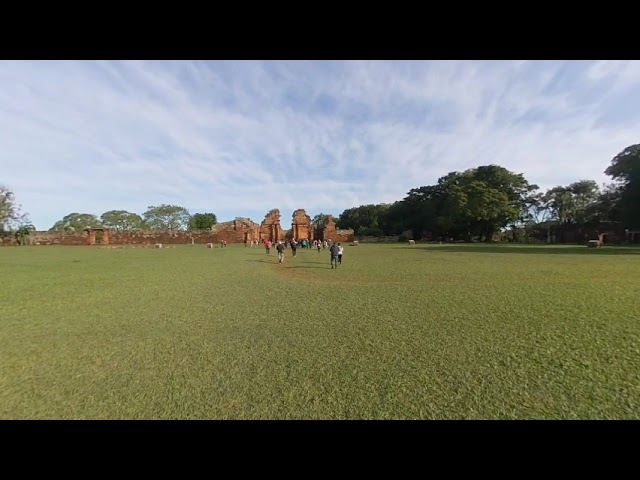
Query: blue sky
239	138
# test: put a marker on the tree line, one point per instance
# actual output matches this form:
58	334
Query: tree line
475	204
481	202
162	217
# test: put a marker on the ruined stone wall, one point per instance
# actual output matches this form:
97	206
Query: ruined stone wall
168	237
301	226
48	238
332	234
240	230
270	228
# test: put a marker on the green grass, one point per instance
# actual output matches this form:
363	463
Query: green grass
435	332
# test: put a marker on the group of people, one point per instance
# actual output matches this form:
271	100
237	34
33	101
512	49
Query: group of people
335	249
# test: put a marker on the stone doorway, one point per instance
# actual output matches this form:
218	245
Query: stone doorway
97	236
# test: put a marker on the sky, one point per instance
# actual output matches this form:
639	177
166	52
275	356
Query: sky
239	138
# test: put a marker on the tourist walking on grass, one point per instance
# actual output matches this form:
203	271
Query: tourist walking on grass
334	255
294	248
280	249
319	245
267	246
340	250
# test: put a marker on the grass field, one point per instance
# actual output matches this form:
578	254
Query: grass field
399	331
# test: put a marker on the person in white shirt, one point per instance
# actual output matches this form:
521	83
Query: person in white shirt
340	250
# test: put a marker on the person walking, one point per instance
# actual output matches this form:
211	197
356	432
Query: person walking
280	249
294	248
340	250
319	245
267	246
334	256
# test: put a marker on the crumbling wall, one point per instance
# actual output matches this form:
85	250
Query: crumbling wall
301	226
240	230
49	238
270	228
168	237
332	234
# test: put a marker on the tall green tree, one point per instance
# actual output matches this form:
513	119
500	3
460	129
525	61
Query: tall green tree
76	222
585	195
518	196
122	220
365	219
574	203
607	206
625	170
476	203
202	221
559	200
23	233
167	217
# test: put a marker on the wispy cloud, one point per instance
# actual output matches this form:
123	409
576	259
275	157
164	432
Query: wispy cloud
240	138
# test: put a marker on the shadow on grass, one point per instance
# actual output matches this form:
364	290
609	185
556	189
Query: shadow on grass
275	262
530	250
308	266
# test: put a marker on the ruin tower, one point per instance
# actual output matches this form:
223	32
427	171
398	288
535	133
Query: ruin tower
270	228
301	226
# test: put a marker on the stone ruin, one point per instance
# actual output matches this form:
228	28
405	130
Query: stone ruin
240	230
301	226
270	228
332	234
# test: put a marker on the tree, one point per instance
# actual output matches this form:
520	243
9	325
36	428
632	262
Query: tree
122	220
167	217
365	218
607	207
585	194
76	222
9	210
23	232
475	203
625	170
393	220
202	221
574	203
559	201
516	203
541	216
320	220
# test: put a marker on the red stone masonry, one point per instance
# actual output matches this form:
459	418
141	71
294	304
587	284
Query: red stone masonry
240	230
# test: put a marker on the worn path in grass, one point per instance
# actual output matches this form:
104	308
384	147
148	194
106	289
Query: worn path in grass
396	332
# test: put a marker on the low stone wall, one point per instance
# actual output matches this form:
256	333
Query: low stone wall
142	237
389	238
340	236
47	238
166	237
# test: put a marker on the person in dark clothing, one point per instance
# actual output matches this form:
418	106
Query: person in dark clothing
294	247
334	255
280	249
